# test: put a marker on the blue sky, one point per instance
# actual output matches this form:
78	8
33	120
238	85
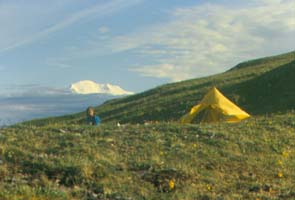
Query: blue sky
137	44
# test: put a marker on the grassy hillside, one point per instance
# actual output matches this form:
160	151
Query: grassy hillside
254	85
61	158
270	92
254	159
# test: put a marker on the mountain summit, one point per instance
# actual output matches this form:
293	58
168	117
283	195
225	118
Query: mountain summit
91	87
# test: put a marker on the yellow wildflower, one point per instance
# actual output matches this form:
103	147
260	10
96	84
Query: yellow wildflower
195	145
209	187
171	184
280	162
285	154
280	174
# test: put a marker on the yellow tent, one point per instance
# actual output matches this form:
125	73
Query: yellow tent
215	107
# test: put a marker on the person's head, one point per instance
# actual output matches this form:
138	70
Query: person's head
90	111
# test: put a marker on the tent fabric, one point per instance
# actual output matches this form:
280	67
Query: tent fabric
215	107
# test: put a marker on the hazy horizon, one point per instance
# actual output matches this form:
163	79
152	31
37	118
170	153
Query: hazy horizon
23	108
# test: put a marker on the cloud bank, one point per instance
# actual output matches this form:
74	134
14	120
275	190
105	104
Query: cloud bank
210	38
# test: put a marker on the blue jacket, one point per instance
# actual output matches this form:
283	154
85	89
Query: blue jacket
95	120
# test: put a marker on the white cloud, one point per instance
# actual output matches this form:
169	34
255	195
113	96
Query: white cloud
17	107
26	90
162	71
210	38
63	65
103	29
94	11
58	63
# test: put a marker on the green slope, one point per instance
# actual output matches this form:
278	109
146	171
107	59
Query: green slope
260	86
170	102
273	91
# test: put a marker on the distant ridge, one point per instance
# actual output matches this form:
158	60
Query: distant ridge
263	61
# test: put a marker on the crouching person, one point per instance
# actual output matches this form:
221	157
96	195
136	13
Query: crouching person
91	118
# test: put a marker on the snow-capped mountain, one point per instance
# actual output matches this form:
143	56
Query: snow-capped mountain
41	101
91	87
